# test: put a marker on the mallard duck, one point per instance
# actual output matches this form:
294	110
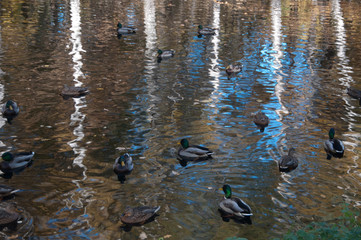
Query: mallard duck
206	31
234	69
234	207
125	30
354	93
333	146
123	165
261	120
10	109
15	161
8	215
138	215
192	153
71	91
6	191
288	162
165	53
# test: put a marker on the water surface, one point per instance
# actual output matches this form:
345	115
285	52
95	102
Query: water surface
299	57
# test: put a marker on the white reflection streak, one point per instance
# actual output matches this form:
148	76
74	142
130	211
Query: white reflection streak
151	39
77	117
2	90
341	43
276	27
345	70
213	71
150	32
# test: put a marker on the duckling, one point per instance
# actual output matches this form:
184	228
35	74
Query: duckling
192	153
354	93
138	215
333	146
288	162
233	69
8	215
206	31
123	166
10	109
163	54
6	191
125	30
261	120
233	207
71	91
13	162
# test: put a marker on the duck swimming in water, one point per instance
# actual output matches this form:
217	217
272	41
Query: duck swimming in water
288	162
233	69
123	166
333	146
193	152
206	31
233	207
125	30
138	215
16	161
261	120
354	93
10	108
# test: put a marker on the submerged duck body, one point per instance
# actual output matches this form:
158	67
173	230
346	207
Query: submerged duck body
165	53
15	161
333	146
234	207
261	120
138	215
354	93
10	109
206	31
125	30
8	214
6	191
193	152
71	91
233	69
288	162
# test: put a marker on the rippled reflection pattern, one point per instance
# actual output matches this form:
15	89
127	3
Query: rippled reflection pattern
78	197
298	59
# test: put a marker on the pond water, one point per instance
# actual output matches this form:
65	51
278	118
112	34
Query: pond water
298	59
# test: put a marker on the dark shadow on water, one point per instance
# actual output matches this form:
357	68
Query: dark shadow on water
9	118
184	163
121	178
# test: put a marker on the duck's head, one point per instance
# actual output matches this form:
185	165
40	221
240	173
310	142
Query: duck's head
7	156
227	191
123	159
200	27
119	25
9	105
291	151
184	143
160	51
331	133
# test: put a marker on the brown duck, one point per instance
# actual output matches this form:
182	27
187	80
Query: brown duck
71	91
354	93
8	214
138	215
261	120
